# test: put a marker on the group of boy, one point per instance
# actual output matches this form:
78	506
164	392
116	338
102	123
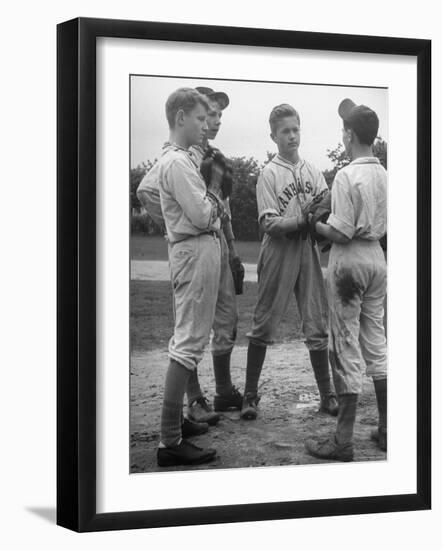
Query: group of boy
187	191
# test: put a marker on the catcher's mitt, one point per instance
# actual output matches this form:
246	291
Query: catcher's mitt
238	274
217	171
319	207
320	210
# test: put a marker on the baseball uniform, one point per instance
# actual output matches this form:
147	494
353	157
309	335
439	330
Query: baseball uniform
288	265
192	224
357	275
226	315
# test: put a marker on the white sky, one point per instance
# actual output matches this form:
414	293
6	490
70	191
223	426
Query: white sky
245	130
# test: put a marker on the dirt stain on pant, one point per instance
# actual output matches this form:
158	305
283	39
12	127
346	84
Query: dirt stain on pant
346	286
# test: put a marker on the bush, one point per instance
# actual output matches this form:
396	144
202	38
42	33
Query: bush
141	224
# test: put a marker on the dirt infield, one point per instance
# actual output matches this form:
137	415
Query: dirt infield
287	413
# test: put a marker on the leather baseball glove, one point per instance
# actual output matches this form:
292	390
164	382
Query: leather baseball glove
320	210
238	274
217	172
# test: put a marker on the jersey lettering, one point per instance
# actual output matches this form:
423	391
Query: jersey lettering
292	190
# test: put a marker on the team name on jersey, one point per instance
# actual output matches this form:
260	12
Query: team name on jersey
292	190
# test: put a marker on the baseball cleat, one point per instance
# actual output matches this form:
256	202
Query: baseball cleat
330	449
200	411
184	453
232	400
249	409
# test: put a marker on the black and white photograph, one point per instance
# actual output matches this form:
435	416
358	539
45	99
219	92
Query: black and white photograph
258	273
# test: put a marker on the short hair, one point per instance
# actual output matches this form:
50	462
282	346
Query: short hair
364	122
282	111
185	99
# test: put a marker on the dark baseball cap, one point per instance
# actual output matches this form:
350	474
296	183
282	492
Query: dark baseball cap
360	118
220	97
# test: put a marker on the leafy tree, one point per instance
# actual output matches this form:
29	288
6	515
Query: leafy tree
380	151
340	159
136	175
243	200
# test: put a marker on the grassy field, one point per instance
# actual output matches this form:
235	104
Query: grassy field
151	318
155	248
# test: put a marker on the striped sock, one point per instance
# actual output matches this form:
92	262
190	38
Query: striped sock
176	380
193	388
255	360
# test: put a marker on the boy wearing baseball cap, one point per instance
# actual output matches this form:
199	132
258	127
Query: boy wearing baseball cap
357	281
289	260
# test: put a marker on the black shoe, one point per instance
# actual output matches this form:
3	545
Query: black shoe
249	406
190	429
232	400
184	453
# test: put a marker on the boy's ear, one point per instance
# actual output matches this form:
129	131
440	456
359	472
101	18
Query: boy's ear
179	117
273	137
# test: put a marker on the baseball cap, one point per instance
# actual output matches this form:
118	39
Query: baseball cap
360	118
220	97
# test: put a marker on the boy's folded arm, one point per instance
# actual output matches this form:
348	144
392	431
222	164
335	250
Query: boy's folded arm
331	233
190	192
277	226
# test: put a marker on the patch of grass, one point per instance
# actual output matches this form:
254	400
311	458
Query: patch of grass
155	248
151	315
148	248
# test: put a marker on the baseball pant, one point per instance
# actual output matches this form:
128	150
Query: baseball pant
286	266
195	272
357	285
226	312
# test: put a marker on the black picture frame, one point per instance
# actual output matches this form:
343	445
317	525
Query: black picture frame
76	274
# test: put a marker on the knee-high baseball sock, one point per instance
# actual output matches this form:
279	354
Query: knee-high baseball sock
346	417
174	387
193	388
380	387
319	361
221	368
255	360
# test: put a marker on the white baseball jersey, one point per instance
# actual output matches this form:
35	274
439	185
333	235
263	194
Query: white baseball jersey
186	207
359	200
148	192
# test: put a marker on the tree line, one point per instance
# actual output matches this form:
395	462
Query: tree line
243	199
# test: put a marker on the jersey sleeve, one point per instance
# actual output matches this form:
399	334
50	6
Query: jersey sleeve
266	196
342	217
189	190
